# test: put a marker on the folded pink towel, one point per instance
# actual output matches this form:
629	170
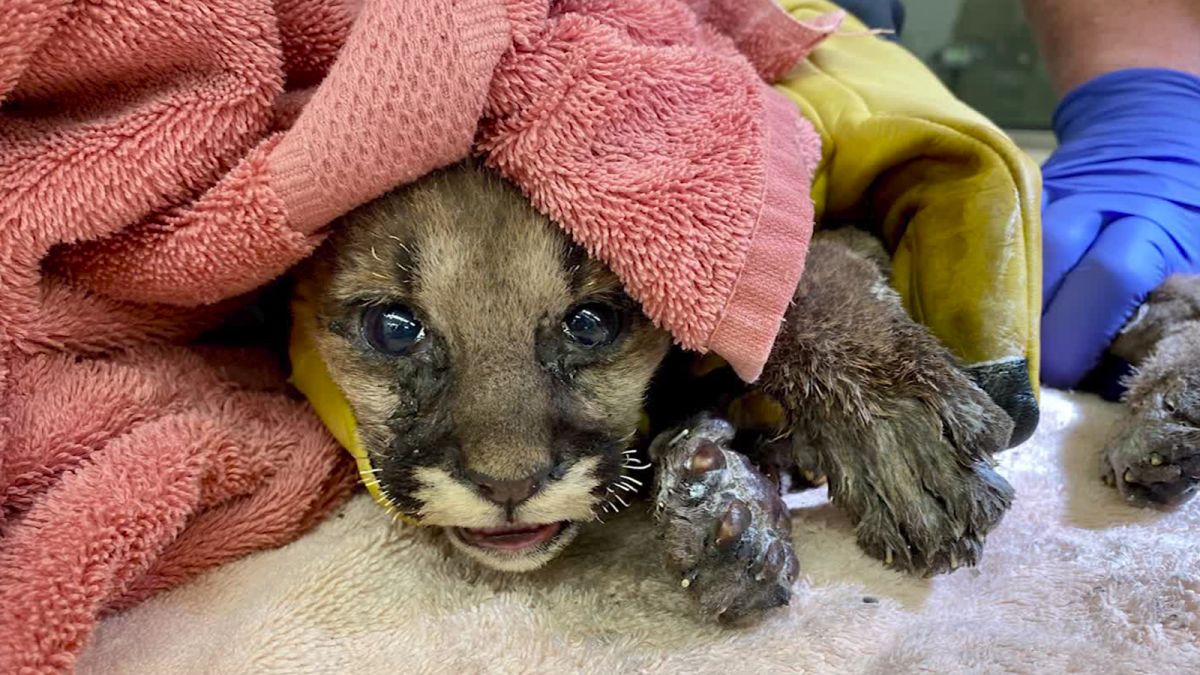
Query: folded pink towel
158	160
658	146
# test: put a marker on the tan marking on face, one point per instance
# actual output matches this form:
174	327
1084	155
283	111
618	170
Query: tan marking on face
449	502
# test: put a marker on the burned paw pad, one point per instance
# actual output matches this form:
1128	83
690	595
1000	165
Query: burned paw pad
1154	479
726	529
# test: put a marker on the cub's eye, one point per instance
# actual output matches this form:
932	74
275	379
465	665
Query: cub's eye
592	325
392	330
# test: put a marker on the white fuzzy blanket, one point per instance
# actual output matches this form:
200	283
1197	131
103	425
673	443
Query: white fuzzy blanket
1072	581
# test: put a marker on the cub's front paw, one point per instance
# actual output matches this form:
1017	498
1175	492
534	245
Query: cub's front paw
726	530
936	524
921	485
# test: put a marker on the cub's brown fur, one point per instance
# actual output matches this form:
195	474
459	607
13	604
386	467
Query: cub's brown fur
885	412
495	394
512	394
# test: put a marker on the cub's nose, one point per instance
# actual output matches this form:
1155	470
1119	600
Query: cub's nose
508	492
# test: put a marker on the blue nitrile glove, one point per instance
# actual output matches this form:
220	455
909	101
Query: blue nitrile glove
1121	209
884	14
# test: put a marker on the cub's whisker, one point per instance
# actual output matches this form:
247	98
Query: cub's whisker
618	497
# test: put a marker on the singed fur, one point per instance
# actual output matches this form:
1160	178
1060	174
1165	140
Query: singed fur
499	391
869	397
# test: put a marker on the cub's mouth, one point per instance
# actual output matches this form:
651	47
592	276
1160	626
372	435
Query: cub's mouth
515	547
517	538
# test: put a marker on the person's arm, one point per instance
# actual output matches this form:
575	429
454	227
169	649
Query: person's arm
1081	39
1121	206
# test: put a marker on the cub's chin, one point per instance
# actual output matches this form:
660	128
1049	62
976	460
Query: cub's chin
517	547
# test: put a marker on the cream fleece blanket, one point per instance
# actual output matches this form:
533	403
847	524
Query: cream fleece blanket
1072	581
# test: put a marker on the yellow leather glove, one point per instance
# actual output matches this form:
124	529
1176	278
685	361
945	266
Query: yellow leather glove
953	198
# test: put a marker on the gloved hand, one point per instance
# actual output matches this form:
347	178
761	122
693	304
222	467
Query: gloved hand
952	197
1121	209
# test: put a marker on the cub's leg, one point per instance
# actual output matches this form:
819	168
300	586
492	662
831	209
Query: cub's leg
725	529
903	435
1155	458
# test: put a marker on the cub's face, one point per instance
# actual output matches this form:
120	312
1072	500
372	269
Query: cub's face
496	373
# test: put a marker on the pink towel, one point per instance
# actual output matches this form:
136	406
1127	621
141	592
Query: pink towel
160	159
658	146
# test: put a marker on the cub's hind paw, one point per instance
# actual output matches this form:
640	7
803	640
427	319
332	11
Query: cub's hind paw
1150	472
726	529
